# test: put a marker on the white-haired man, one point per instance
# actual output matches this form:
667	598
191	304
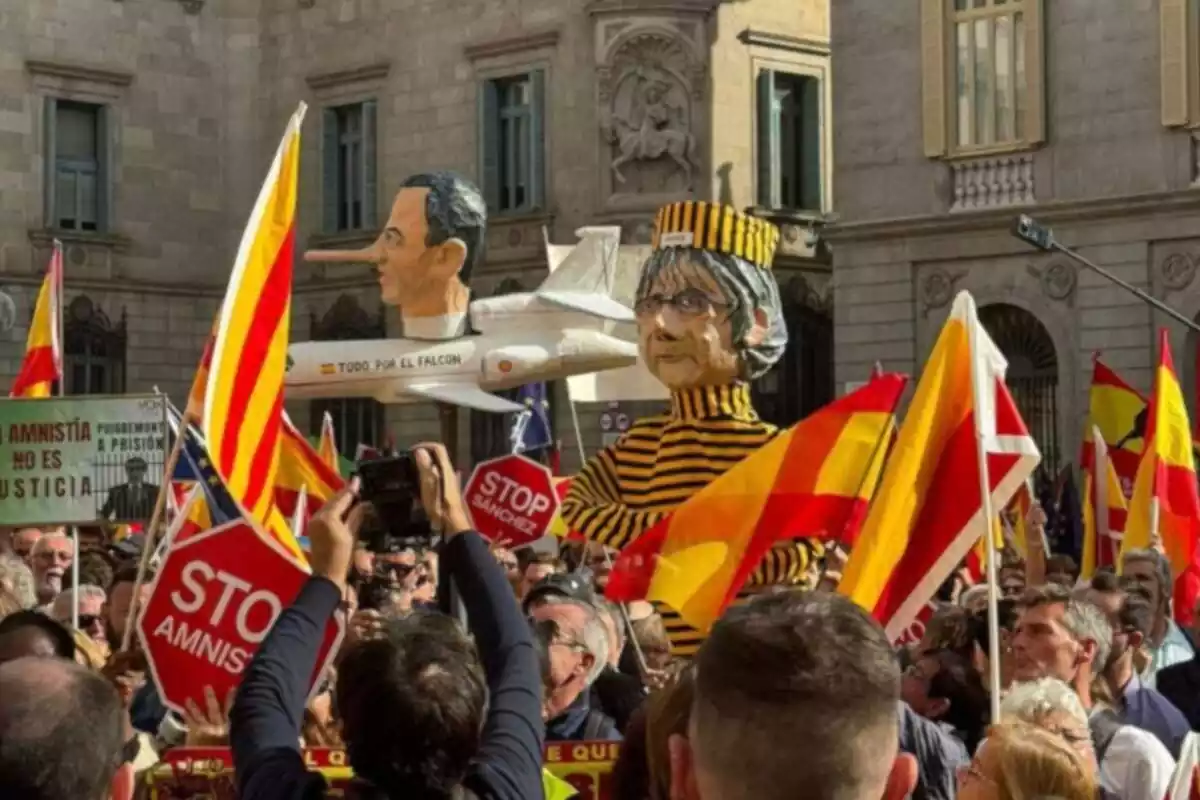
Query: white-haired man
50	560
578	652
91	612
1062	636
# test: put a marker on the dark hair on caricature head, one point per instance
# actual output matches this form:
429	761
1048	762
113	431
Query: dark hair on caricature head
454	209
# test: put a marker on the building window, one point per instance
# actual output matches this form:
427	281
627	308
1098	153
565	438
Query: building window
1179	54
350	167
789	141
512	142
77	153
982	63
93	350
355	421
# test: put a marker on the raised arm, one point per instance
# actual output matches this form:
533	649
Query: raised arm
593	505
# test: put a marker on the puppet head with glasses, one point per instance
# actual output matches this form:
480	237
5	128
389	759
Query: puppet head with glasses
707	306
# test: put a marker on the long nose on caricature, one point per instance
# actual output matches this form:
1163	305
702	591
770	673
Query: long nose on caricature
367	255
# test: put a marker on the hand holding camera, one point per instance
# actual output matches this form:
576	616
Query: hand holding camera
441	495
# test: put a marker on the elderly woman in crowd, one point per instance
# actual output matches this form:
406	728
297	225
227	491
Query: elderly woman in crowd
1019	761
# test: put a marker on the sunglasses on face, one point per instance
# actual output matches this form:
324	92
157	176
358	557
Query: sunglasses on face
88	620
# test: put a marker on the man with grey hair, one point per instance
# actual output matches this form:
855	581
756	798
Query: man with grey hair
578	653
91	612
1148	573
50	560
1060	635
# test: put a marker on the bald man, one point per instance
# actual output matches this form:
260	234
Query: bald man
61	733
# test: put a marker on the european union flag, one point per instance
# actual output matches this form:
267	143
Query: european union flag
194	466
531	427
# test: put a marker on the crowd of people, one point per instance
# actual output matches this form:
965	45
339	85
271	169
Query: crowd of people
796	692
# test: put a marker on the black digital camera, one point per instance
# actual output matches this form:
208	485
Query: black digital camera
397	520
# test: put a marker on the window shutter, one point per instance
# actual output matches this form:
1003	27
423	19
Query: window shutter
537	139
104	167
1174	35
1035	72
768	140
810	146
489	143
933	76
370	166
329	170
49	127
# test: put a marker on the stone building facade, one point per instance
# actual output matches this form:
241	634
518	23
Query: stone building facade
952	115
138	132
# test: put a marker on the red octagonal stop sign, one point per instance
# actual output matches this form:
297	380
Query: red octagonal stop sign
511	498
215	599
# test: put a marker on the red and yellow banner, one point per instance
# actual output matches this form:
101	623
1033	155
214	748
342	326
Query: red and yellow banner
42	365
1165	499
302	469
811	481
243	404
328	449
1119	411
929	511
1102	501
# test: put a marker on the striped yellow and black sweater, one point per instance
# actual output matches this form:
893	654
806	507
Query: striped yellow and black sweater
662	461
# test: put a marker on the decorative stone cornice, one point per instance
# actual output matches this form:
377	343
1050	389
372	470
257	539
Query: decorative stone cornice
192	6
1150	204
44	237
608	7
361	74
781	41
520	43
77	72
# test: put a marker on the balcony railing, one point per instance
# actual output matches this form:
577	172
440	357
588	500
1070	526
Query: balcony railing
992	182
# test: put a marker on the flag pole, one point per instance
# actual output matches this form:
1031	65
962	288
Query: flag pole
56	276
985	508
160	503
643	665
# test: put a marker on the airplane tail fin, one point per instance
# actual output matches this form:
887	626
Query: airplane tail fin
582	276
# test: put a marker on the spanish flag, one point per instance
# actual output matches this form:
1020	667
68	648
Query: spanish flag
328	449
929	511
243	404
1119	411
194	410
1165	500
558	526
42	365
303	471
977	558
808	482
1018	509
1102	500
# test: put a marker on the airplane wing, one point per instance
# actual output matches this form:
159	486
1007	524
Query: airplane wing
599	305
462	394
587	267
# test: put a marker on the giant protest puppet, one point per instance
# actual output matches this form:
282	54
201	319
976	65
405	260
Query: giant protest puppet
709	323
454	350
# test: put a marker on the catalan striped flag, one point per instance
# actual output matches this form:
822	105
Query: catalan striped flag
1119	411
243	404
42	365
195	402
328	449
1101	502
302	470
1165	500
929	510
807	482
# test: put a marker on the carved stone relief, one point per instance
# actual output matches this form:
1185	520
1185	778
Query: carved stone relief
651	84
1177	271
937	289
1058	280
800	291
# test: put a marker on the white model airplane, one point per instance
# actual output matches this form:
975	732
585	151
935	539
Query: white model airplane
563	328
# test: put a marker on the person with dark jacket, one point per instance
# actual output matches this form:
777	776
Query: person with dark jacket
423	715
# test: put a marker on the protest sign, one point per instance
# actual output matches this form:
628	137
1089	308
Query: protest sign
511	498
215	599
79	460
201	773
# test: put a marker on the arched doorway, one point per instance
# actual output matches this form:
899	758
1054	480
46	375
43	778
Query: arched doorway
1032	373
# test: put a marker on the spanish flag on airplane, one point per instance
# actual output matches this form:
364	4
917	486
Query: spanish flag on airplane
1119	411
929	512
302	470
1101	502
1165	500
808	482
243	404
328	448
42	365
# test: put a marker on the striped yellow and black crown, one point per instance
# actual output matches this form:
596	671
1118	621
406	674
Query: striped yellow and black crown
718	228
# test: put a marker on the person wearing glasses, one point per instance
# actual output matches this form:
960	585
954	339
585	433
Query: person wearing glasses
709	323
91	612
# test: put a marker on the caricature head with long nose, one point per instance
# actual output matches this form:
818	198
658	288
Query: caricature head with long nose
708	308
433	238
